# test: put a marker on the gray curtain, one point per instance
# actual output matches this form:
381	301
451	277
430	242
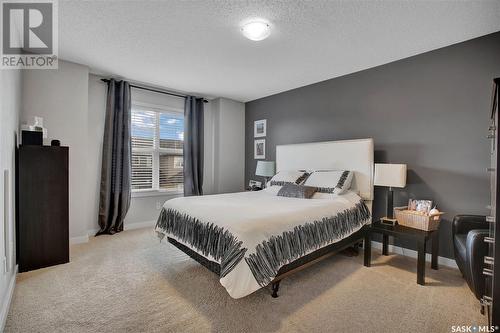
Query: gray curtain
193	146
116	159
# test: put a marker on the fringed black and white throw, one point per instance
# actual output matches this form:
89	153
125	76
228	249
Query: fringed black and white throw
207	238
253	234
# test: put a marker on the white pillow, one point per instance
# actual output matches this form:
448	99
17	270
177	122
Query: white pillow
288	176
337	182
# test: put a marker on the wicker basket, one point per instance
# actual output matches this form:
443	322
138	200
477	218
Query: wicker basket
412	219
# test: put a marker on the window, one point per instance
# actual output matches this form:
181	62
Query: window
157	145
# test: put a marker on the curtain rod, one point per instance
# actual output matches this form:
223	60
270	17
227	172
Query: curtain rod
156	90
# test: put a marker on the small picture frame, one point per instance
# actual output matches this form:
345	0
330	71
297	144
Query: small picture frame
259	149
259	128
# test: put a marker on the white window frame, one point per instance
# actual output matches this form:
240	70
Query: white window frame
156	151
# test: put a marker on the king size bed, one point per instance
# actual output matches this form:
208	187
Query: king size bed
255	239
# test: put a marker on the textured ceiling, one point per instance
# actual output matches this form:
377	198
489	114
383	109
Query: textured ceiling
196	46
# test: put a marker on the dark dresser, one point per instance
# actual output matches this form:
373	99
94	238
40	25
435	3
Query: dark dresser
42	206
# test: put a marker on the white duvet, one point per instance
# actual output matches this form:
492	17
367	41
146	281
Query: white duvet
255	219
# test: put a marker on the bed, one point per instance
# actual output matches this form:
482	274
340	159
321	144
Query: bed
255	239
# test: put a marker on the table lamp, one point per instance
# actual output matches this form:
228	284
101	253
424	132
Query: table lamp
390	175
265	169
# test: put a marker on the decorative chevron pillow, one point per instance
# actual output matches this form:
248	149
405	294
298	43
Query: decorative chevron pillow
337	182
288	177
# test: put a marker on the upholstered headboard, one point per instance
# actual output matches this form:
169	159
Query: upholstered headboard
354	155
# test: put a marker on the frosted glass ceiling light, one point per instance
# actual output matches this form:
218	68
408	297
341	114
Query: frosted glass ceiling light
256	30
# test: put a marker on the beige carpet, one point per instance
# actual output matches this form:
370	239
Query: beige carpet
131	283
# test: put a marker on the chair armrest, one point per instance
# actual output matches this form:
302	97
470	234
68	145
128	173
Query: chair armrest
462	224
476	249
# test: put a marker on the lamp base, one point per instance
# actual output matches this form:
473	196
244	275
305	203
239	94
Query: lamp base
390	203
388	221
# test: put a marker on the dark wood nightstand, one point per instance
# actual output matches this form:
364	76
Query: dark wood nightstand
419	236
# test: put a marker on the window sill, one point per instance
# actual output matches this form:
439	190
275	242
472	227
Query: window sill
156	193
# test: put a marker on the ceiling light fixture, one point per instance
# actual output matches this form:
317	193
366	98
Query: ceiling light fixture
256	30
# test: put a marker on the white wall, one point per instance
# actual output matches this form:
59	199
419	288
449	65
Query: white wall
229	143
61	98
96	105
224	135
143	208
10	106
73	105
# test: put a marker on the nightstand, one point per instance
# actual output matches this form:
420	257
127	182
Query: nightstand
420	237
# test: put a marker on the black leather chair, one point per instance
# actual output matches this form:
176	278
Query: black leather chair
468	240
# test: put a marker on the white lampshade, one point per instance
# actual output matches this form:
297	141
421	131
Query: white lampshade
265	168
390	175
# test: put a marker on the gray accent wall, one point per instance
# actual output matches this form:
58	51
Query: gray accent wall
429	111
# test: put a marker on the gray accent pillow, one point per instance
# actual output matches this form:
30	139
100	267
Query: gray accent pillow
297	191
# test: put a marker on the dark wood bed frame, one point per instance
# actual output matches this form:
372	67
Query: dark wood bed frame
297	265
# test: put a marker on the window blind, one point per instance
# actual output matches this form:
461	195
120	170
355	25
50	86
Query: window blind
171	172
171	130
142	171
157	150
143	129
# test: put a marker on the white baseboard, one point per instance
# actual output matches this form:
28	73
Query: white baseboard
5	306
127	226
79	239
413	254
139	225
91	233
